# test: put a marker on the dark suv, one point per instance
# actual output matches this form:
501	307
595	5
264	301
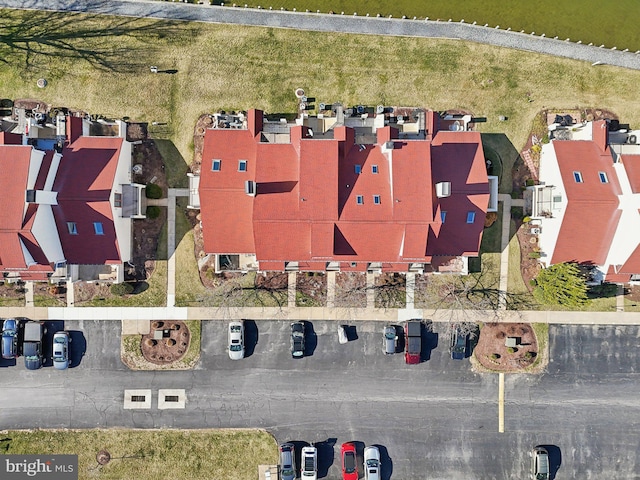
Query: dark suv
297	340
10	338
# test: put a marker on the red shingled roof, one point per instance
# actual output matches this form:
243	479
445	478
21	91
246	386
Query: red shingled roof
84	182
307	209
592	214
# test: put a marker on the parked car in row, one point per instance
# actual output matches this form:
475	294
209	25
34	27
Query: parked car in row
61	350
287	461
32	345
459	340
297	340
236	340
372	463
309	463
389	340
539	463
10	338
413	342
349	463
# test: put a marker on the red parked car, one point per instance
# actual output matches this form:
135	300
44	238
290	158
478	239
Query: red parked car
413	342
349	464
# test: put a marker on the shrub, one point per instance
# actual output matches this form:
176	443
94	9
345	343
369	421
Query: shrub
545	139
153	191
536	148
530	182
511	350
528	355
534	254
121	289
526	219
153	211
495	356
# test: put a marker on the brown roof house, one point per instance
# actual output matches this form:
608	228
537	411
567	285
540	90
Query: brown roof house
349	189
67	202
587	206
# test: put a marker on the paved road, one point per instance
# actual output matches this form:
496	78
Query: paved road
437	419
338	23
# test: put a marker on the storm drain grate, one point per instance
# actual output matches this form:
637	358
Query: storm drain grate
138	398
171	398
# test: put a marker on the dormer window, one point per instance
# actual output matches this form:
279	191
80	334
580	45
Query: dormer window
72	228
215	166
359	199
603	177
242	165
577	176
376	199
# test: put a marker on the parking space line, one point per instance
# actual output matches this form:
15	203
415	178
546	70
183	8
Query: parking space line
501	403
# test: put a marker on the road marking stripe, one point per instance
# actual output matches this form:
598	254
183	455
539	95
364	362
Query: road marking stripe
501	403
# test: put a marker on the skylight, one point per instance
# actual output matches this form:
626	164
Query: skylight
376	199
443	215
359	199
603	177
242	165
97	227
358	169
374	168
72	228
577	176
215	166
471	217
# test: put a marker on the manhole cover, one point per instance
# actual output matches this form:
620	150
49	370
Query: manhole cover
103	457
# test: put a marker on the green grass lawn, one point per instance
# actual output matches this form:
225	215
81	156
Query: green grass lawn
589	20
104	68
153	454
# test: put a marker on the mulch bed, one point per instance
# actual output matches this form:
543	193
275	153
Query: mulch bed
492	354
170	348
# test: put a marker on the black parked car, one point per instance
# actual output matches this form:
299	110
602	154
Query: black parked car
297	340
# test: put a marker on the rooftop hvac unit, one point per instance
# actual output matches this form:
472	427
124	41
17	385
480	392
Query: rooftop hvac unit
443	189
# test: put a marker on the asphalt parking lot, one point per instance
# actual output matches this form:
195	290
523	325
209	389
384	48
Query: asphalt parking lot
437	419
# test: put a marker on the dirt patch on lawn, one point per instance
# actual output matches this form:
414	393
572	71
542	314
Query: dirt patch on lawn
311	289
492	353
351	290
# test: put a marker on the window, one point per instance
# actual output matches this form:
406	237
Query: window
359	199
471	216
443	216
242	165
117	200
577	176
72	227
97	227
216	165
376	199
374	168
358	169
603	177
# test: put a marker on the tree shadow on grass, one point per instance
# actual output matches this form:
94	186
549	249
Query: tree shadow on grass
29	40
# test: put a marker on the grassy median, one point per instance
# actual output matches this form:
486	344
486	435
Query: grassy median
152	454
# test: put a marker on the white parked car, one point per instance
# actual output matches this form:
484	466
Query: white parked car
309	463
372	463
236	340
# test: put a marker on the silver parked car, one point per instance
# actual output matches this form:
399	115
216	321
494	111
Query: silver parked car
372	463
61	350
309	463
389	340
236	340
287	461
539	463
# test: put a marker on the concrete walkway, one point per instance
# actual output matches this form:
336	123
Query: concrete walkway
340	23
171	243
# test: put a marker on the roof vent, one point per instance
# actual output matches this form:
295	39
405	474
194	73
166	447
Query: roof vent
389	145
250	188
443	189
